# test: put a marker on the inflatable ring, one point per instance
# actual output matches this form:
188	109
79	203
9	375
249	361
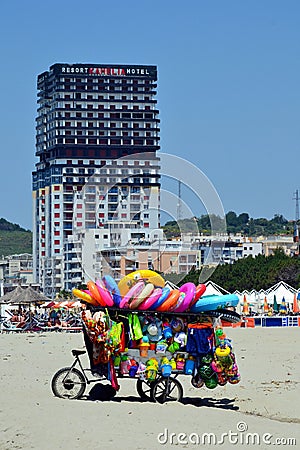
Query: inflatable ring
150	300
164	294
137	300
112	287
133	292
189	289
200	289
179	302
213	302
148	276
95	293
84	297
170	301
104	294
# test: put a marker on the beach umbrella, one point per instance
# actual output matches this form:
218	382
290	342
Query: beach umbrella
48	304
275	305
245	309
295	305
29	295
9	297
283	308
266	306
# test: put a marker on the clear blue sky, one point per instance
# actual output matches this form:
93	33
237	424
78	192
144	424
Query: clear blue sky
228	87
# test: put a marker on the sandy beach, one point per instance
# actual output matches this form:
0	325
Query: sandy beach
264	403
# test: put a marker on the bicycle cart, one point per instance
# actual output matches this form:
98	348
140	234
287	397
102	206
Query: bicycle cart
162	386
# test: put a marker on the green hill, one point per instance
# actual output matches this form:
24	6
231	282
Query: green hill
14	239
243	224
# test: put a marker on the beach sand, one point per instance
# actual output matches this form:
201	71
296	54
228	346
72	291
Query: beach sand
265	402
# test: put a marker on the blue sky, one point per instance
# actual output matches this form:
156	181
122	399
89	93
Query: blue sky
228	87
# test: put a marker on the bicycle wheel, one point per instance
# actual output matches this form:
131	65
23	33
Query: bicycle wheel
144	389
68	383
167	389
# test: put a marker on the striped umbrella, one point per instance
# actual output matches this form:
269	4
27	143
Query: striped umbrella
283	308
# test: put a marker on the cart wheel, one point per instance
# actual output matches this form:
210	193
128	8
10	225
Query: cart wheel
144	389
68	383
167	389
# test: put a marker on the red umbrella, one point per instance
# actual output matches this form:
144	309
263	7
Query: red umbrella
295	305
266	306
245	307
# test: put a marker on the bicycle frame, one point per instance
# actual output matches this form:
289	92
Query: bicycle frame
83	370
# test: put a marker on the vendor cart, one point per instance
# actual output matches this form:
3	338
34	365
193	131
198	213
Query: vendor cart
162	384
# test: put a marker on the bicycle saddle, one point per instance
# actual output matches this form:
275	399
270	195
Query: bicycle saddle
78	352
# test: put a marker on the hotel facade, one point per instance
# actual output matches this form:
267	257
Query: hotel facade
97	137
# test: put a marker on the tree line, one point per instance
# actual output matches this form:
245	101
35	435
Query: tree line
257	273
241	223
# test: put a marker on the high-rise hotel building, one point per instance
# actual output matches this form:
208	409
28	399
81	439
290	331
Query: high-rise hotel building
97	134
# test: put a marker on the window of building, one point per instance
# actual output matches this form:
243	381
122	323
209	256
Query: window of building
57	215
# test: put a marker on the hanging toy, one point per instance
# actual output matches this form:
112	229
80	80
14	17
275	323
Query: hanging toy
189	366
167	330
206	372
222	355
220	336
151	369
165	367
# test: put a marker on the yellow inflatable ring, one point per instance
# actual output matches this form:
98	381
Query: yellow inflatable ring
149	276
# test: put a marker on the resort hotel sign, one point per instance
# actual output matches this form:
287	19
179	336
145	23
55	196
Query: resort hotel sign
105	70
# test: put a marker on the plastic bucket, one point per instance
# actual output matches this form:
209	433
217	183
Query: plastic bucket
166	370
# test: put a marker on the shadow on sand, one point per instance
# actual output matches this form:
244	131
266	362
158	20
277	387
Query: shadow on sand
105	392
